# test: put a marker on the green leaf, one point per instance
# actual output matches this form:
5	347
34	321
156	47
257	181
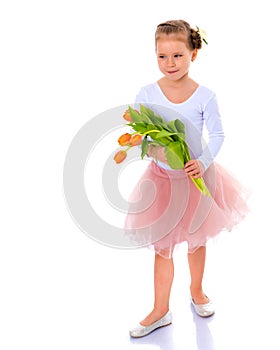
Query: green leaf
181	136
144	146
160	142
158	123
156	120
152	127
145	118
139	127
163	141
180	127
135	116
178	137
165	133
185	151
174	155
171	126
144	109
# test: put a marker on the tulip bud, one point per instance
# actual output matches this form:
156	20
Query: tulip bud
127	116
120	156
124	139
135	140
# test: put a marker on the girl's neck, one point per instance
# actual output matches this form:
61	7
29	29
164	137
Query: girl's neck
177	91
183	82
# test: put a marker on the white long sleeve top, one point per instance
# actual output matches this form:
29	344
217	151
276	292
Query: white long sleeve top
200	109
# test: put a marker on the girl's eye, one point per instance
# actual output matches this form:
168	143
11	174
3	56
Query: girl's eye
178	55
161	56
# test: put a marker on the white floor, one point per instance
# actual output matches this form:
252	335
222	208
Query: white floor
65	291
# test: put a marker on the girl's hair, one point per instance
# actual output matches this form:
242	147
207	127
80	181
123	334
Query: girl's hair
183	30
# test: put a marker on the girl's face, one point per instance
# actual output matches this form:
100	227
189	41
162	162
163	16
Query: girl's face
174	57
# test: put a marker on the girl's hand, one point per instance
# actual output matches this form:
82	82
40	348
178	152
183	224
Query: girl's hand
157	152
194	168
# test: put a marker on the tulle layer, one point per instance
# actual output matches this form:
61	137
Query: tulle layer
167	209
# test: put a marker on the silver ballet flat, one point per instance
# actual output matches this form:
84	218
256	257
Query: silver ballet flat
204	310
141	331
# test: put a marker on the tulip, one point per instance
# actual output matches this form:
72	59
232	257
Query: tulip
120	156
124	139
127	116
135	140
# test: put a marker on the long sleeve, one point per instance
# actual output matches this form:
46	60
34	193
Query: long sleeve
213	123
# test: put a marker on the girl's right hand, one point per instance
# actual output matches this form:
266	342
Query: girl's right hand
158	153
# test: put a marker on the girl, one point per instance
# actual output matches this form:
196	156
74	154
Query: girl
178	212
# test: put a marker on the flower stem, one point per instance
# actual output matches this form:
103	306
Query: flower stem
150	131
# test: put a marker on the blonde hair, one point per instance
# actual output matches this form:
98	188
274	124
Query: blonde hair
182	30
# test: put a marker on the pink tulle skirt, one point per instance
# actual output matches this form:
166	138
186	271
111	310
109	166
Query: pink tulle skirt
166	208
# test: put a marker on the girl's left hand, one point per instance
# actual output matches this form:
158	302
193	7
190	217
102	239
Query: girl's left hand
194	168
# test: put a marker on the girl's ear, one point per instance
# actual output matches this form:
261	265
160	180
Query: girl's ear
194	54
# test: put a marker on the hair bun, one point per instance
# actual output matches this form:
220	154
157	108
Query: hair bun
196	39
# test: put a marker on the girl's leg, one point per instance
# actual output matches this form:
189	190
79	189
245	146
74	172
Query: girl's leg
163	278
196	265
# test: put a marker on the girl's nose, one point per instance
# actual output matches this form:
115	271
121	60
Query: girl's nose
171	62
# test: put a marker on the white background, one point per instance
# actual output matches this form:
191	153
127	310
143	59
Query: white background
62	63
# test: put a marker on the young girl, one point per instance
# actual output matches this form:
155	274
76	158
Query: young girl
176	211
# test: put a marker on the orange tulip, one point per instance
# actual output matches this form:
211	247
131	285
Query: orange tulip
135	140
120	156
127	116
124	139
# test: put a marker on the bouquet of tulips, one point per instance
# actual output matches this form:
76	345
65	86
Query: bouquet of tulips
150	129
